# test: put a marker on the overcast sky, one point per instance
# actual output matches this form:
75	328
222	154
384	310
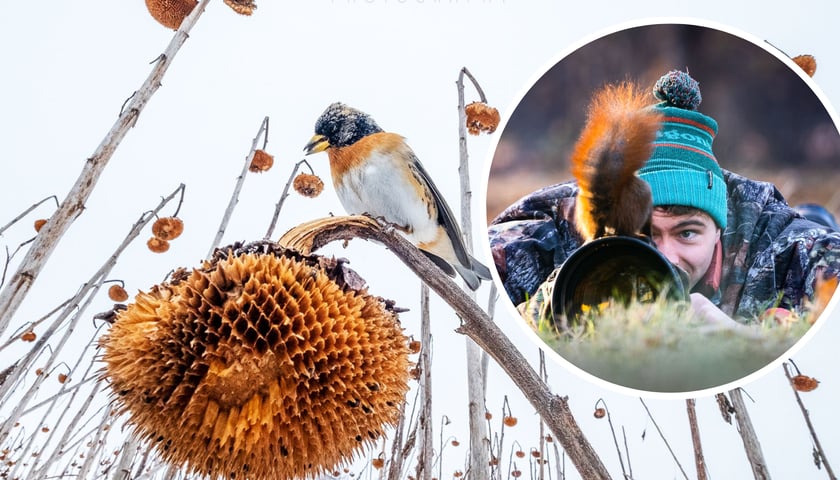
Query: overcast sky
69	66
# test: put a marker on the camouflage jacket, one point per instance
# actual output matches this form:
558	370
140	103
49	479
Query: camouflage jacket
771	255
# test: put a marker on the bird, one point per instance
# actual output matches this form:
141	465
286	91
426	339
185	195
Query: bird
375	172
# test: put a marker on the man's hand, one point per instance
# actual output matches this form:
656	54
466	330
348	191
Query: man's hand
713	316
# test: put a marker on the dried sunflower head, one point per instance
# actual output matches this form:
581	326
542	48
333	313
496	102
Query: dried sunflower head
242	7
260	364
308	185
170	13
262	162
168	228
481	118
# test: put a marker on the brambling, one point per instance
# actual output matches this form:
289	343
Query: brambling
376	173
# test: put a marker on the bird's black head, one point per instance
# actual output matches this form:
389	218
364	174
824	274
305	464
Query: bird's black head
342	125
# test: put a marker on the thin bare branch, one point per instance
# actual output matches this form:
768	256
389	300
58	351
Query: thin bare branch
601	401
283	197
240	181
819	453
73	205
662	436
426	451
26	212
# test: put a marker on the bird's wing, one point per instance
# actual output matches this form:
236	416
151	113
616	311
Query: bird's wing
445	216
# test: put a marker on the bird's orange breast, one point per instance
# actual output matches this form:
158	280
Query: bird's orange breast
352	156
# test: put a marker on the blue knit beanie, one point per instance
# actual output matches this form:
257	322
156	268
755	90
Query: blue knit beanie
682	169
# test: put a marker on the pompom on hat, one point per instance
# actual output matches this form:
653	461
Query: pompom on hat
682	169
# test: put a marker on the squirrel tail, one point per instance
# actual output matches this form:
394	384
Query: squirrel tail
615	142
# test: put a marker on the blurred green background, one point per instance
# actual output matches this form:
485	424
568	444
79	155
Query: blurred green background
772	125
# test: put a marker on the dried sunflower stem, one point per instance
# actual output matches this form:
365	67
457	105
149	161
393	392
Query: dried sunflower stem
662	436
73	205
426	454
476	358
476	324
817	445
240	181
615	438
699	459
748	436
283	197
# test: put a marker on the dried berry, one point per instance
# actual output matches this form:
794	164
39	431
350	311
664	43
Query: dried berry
39	224
516	473
62	378
242	7
28	336
262	162
488	416
157	245
600	412
117	293
258	365
414	346
308	185
168	228
520	454
804	383
377	463
807	63
510	421
170	13
455	443
481	118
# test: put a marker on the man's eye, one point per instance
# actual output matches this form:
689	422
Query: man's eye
687	234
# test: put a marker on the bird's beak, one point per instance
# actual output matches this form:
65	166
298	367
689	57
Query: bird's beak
318	143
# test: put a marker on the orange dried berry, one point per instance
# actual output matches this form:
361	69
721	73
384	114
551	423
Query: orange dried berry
117	293
39	371
62	378
28	336
170	13
157	245
549	438
535	453
510	421
807	63
262	162
45	429
600	412
488	416
39	224
168	228
377	463
481	118
455	443
242	7
520	454
458	474
804	383
308	185
414	346
516	473
494	460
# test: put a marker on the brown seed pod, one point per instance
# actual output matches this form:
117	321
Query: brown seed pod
170	13
168	228
262	162
488	416
516	473
549	438
510	421
804	383
157	245
455	443
807	63
481	118
242	7
600	412
62	378
117	293
28	336
520	454
308	185
39	224
261	364
377	463
414	346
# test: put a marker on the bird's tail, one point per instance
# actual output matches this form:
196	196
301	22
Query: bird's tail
472	275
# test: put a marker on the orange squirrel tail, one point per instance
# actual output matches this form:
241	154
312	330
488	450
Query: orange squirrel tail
615	142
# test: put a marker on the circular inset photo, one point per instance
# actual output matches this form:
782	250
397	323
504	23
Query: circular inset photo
662	207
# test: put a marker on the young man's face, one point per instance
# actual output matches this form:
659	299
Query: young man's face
688	241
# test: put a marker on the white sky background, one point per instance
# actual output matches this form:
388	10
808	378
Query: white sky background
68	67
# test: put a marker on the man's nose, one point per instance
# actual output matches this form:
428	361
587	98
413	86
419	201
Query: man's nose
667	249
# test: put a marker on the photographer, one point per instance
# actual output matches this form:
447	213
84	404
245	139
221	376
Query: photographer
744	249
